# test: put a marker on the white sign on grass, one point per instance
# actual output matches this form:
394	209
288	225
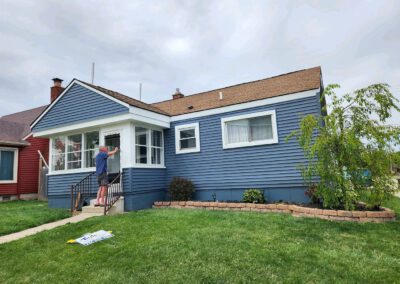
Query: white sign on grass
91	238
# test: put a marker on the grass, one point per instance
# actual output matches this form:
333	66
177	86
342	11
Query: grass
19	215
181	246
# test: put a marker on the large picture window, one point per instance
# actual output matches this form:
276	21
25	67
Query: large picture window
249	130
187	138
8	165
74	151
149	148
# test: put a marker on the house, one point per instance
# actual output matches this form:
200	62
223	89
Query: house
225	140
19	157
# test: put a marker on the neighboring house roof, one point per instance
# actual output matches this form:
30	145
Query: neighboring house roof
294	82
16	126
125	99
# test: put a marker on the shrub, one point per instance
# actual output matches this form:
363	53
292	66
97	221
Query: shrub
253	196
181	189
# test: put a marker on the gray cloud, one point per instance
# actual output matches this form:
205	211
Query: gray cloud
194	45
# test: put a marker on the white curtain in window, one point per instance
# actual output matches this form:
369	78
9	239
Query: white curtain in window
238	131
249	129
260	128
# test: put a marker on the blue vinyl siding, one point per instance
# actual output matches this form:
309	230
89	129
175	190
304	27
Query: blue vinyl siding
142	187
60	185
59	188
228	172
77	105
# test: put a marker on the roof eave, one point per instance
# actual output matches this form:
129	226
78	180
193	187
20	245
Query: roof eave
14	143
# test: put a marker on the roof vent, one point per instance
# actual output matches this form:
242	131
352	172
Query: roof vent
178	94
190	107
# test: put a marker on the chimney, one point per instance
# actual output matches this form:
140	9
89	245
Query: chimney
56	90
177	95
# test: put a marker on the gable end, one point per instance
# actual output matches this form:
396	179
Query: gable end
77	104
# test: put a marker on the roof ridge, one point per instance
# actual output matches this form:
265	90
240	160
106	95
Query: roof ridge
244	83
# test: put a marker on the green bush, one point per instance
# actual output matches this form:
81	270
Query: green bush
253	196
181	189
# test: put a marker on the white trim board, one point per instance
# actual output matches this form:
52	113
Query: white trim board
181	127
100	122
262	102
274	140
16	161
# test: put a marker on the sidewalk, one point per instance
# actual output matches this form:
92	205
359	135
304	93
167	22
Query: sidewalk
45	227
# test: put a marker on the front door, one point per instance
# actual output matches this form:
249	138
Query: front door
114	162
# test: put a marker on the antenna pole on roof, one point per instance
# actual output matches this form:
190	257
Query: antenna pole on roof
140	91
92	72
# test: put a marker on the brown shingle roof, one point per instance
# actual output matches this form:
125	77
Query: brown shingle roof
14	127
126	99
289	83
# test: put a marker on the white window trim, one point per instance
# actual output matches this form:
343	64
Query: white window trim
15	176
178	129
148	165
224	120
83	150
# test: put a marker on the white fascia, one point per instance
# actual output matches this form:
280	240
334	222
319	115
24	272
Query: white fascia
102	122
247	105
149	117
82	125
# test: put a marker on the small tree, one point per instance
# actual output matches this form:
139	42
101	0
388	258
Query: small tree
350	150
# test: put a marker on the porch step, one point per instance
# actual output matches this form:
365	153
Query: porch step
92	209
117	208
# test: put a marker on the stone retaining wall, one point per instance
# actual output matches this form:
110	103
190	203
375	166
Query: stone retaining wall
297	211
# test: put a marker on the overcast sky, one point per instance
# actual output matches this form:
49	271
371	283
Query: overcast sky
194	45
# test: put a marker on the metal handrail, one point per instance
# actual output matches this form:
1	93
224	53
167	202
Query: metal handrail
113	193
80	191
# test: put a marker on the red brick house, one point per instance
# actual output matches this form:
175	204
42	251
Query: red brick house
19	157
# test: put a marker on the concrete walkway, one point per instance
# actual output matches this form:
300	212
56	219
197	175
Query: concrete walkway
45	227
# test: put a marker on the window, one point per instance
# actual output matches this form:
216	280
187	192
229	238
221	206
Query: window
249	130
149	146
91	148
187	138
156	147
58	153
74	151
8	165
141	145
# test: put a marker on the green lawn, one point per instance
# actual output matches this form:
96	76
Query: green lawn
20	215
193	246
